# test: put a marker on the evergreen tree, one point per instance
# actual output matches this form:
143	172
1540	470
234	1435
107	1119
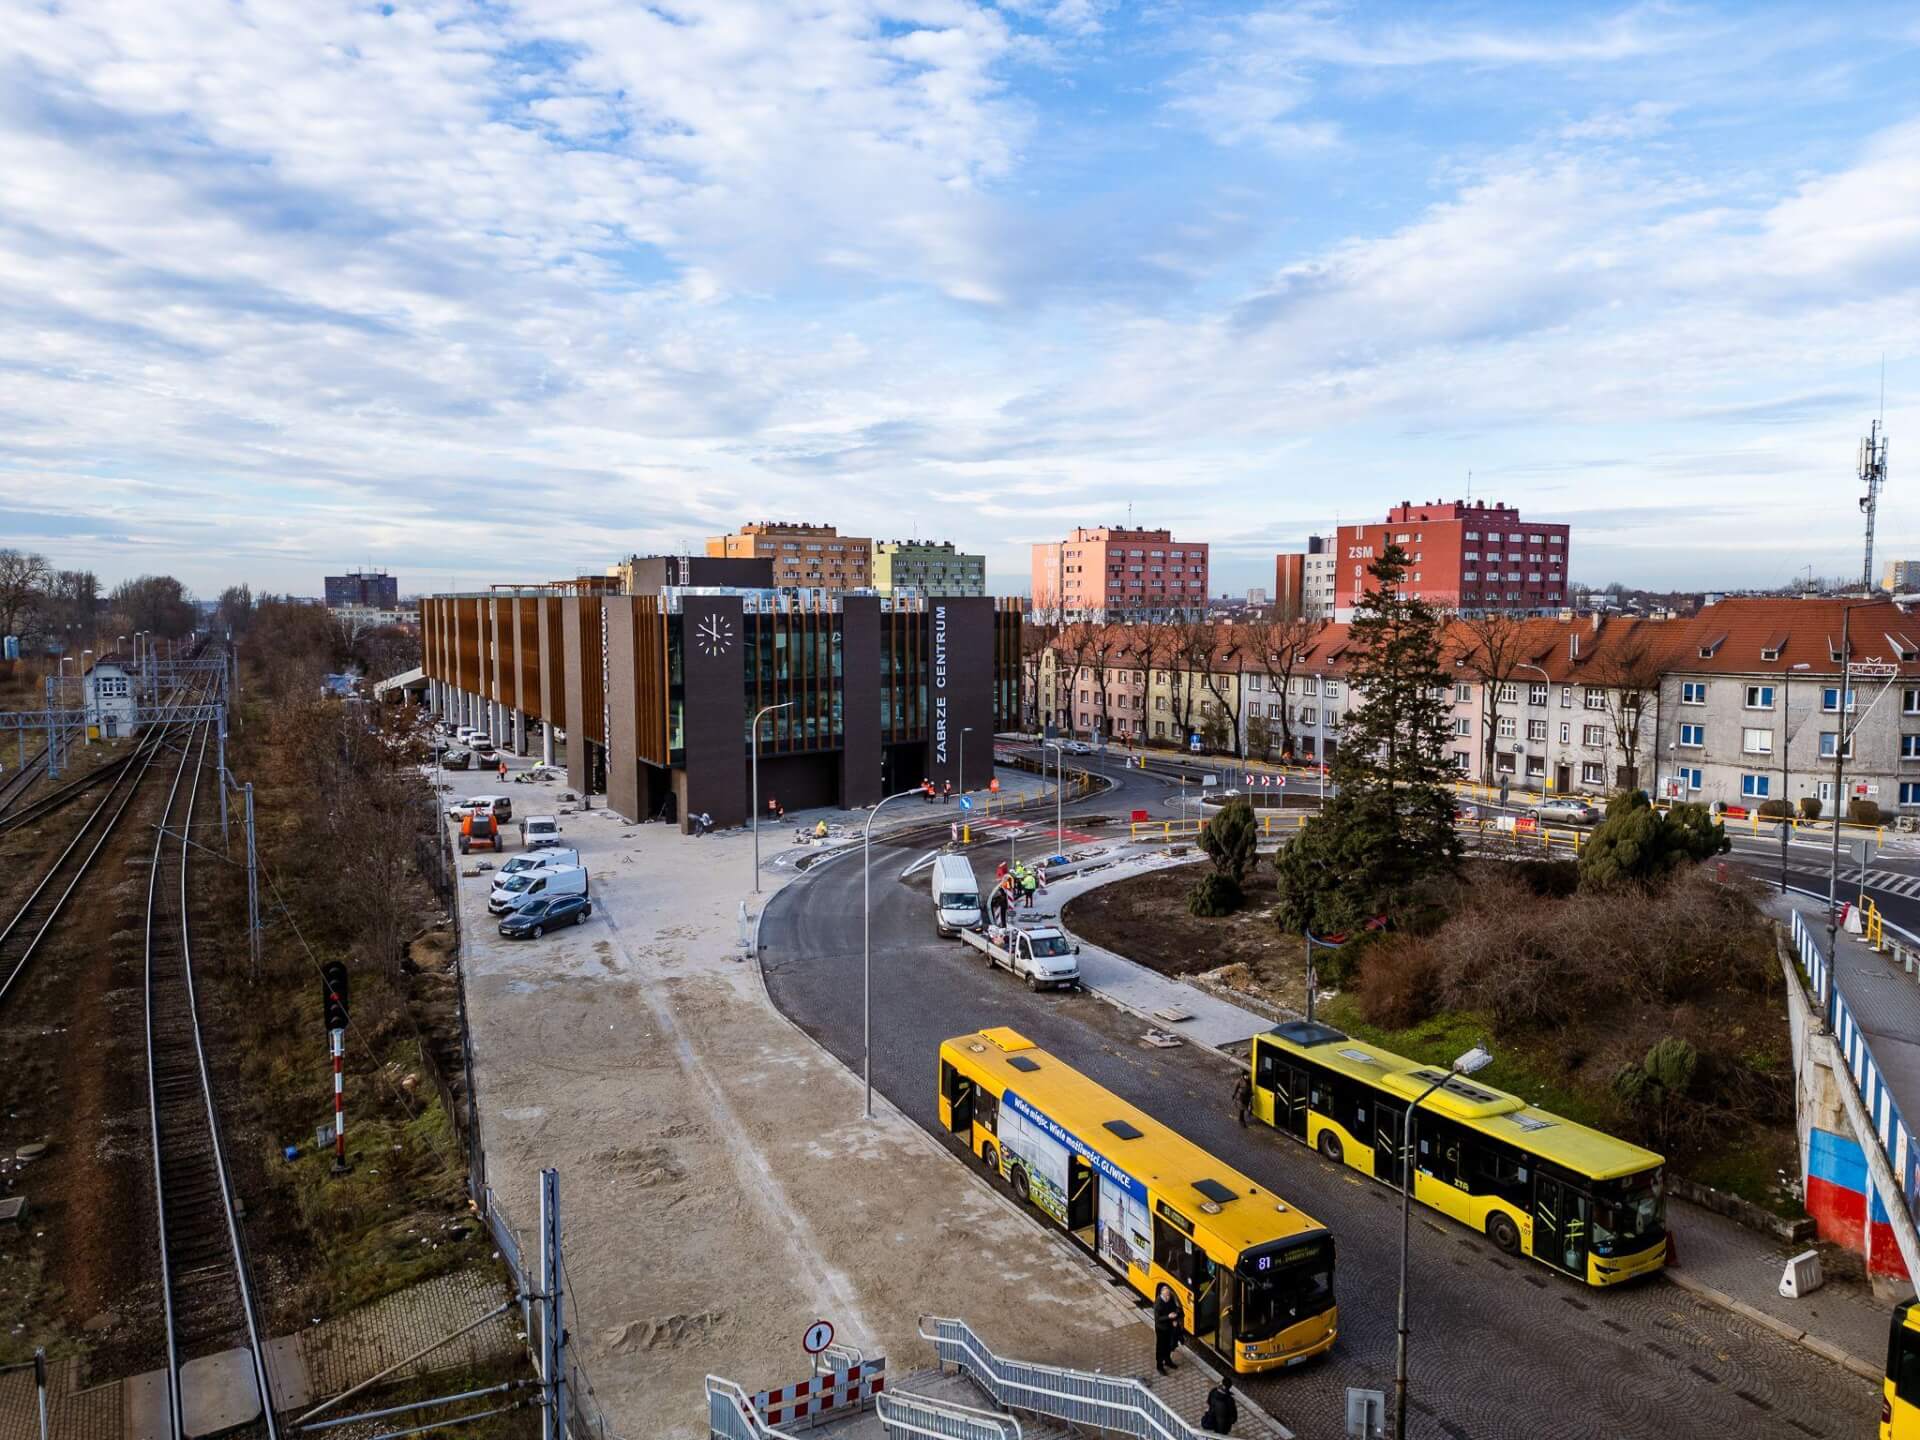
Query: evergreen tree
1389	828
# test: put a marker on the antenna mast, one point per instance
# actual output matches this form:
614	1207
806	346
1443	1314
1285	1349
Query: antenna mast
1873	473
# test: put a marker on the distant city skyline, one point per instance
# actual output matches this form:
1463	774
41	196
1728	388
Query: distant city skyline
510	292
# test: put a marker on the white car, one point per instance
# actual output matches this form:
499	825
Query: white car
1077	747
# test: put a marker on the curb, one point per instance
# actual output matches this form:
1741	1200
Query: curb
1825	1349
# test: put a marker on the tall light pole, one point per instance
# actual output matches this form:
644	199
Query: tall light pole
1059	788
766	710
1475	1059
1786	764
866	947
965	730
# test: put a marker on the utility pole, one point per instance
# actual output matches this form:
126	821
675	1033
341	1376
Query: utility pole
253	886
1873	474
553	1331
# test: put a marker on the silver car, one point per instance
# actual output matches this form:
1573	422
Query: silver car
1573	812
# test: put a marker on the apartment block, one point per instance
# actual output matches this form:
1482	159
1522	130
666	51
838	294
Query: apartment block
1304	580
927	567
815	557
1114	573
1466	556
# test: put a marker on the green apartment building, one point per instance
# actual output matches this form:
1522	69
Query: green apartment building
927	567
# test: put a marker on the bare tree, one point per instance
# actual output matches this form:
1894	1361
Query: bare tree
1039	627
1492	646
1074	646
1222	677
1278	644
1187	649
1628	666
23	578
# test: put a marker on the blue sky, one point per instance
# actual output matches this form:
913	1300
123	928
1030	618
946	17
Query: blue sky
496	291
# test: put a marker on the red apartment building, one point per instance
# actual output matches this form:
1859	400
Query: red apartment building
1461	556
1109	573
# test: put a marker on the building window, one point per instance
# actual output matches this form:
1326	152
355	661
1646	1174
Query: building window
1310	685
1594	699
1691	776
1566	697
1910	702
1830	699
1830	740
1756	742
1508	727
1756	787
1693	692
1691	736
1330	690
1509	694
1759	697
1537	730
1910	747
1566	733
1536	694
1307	716
1597	735
1461	762
1462	693
1464	726
1909	792
1592	772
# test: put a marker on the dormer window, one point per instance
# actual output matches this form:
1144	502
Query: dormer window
1712	647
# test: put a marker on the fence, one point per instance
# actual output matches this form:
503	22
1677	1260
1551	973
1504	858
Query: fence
1108	1402
903	1414
1895	1139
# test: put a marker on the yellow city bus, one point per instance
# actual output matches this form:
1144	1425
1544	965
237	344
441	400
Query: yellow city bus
1535	1184
1253	1274
1900	1397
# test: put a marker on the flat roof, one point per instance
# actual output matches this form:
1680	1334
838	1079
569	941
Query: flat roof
1178	1170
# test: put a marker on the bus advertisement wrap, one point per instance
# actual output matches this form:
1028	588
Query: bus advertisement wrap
1042	1145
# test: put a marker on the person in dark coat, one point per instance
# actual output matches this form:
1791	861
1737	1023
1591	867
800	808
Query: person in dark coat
1222	1409
1166	1330
1242	1097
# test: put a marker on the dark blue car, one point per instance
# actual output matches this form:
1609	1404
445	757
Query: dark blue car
536	917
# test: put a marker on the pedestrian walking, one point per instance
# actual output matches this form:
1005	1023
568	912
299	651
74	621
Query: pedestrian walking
503	769
946	793
1166	1330
926	790
1222	1410
1242	1097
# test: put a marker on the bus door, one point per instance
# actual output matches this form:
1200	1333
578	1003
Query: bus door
1285	1086
1083	1199
958	1089
1388	1152
1208	1279
1560	1225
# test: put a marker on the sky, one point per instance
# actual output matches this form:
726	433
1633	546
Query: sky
479	291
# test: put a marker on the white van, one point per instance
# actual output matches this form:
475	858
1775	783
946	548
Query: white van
545	883
537	860
956	895
537	832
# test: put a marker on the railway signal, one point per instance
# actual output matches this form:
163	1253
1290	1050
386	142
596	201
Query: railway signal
333	978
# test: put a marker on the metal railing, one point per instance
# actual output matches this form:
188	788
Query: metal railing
731	1416
902	1413
1118	1403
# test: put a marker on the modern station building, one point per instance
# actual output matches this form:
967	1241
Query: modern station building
655	688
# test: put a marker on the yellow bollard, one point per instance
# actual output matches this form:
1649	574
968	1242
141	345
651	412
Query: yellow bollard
966	834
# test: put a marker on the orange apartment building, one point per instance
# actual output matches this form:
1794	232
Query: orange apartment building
813	556
1467	556
1110	573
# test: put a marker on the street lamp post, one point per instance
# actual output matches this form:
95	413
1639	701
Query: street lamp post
965	730
1786	764
866	948
1475	1059
764	711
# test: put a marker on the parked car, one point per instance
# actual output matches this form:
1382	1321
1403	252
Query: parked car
483	749
537	917
1077	747
500	805
539	831
539	860
514	891
1572	811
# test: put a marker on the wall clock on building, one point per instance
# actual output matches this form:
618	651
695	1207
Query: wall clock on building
714	635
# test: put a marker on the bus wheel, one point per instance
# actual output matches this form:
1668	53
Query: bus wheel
1330	1147
1021	1189
990	1158
1503	1233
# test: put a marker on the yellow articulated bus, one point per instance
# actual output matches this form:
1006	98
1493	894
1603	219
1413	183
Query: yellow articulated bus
1900	1398
1535	1184
1254	1275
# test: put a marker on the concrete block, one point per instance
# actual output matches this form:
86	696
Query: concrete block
218	1393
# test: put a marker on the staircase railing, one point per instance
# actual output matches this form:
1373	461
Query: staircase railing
904	1413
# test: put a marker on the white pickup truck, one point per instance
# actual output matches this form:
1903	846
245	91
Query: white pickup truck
1043	956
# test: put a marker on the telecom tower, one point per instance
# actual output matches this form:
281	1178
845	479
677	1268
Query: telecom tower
1873	472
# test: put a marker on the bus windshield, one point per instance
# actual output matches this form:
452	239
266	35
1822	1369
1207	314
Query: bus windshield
1629	1214
1279	1288
1051	945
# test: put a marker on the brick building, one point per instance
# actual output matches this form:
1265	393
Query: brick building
1112	573
1462	556
816	557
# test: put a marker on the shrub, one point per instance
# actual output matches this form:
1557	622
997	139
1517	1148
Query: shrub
1775	809
1217	893
1865	812
1400	984
1637	844
1657	1090
1810	807
1230	840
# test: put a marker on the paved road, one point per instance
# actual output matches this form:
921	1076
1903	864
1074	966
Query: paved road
1499	1348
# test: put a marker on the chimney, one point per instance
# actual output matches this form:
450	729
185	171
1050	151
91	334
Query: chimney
1573	646
1598	621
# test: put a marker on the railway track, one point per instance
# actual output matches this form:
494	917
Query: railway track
21	780
205	1278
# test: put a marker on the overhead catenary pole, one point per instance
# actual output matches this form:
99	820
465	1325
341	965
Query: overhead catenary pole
253	885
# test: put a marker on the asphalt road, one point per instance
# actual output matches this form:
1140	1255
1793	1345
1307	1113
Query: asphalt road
1499	1347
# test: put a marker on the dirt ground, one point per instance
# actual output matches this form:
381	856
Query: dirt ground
1144	917
719	1186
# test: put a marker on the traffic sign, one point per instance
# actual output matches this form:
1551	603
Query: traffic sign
1193	744
966	802
819	1335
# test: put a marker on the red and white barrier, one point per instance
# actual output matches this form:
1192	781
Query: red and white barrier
845	1388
